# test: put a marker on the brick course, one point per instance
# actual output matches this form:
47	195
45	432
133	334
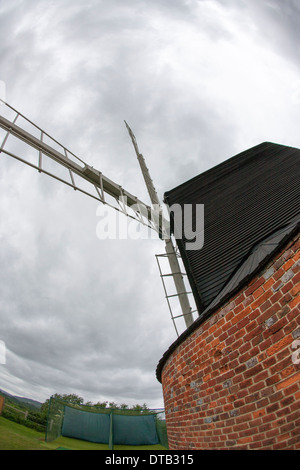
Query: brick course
232	384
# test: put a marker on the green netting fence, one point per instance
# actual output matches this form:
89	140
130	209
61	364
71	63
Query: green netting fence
106	425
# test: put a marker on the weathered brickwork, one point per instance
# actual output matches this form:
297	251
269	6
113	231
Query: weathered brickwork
235	382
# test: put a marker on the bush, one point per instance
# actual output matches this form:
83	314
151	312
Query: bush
31	421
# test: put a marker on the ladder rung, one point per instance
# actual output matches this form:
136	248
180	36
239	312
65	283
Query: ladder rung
179	272
176	295
182	315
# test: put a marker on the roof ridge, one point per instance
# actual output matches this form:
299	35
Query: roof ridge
226	164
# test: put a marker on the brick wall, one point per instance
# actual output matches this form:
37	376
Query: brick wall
234	383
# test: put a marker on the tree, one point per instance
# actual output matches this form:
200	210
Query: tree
71	398
101	405
123	406
74	399
140	408
112	404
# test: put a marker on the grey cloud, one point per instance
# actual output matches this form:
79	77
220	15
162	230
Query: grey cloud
274	23
79	314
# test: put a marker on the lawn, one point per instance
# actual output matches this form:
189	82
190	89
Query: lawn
14	436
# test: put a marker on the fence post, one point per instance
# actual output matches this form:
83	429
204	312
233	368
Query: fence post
47	425
2	401
111	434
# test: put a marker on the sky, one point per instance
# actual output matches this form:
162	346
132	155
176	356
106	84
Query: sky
198	81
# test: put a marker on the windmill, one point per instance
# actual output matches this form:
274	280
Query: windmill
29	136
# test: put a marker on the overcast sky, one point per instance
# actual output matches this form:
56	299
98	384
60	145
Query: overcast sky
198	82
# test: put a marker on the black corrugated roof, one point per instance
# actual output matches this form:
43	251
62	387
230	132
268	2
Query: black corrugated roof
246	199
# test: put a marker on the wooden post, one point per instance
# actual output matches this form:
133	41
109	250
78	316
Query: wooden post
2	400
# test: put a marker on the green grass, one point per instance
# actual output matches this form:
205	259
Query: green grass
14	436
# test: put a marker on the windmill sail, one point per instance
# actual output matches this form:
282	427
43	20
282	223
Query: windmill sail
169	247
34	147
31	139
